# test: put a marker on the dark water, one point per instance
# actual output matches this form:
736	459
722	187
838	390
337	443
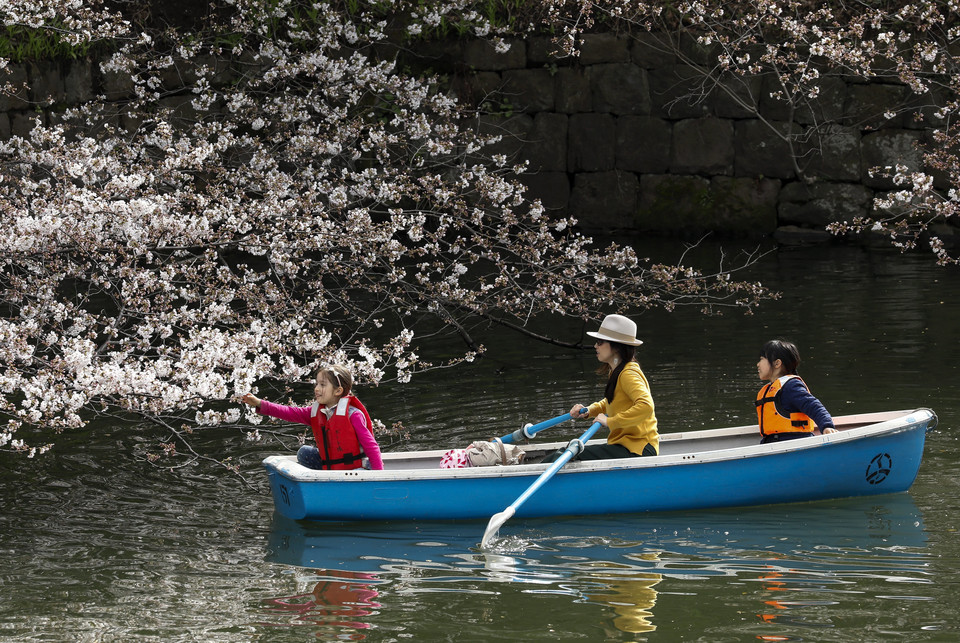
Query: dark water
98	547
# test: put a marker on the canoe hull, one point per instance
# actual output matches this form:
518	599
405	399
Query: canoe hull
875	459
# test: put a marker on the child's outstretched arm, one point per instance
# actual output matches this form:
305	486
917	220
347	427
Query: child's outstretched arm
298	414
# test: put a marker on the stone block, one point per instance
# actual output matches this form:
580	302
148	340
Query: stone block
867	106
117	85
692	50
827	107
176	75
573	90
481	55
736	96
542	50
773	106
546	143
475	89
677	92
78	82
831	152
512	131
219	70
552	188
888	148
653	50
440	56
530	90
13	88
702	146
619	88
128	122
761	150
606	200
690	205
180	108
643	144
599	48
673	204
941	175
109	116
744	206
46	83
54	117
591	144
819	204
923	110
22	123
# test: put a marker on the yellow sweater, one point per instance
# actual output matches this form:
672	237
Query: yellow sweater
630	416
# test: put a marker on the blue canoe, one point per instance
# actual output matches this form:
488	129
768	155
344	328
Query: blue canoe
873	453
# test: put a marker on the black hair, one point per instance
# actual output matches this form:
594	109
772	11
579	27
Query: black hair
626	353
338	376
786	352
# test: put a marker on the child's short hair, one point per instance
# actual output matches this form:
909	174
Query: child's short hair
786	352
339	376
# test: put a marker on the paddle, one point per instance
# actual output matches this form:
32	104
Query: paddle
573	448
529	430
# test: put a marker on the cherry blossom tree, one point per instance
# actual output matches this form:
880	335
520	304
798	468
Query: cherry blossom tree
800	45
273	192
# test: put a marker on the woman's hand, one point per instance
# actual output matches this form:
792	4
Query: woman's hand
601	418
251	400
575	411
829	429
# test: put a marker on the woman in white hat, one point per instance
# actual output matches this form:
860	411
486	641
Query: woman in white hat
627	407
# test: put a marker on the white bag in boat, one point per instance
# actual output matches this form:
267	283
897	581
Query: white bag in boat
495	452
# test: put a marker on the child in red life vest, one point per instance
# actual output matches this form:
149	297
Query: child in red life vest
342	428
785	407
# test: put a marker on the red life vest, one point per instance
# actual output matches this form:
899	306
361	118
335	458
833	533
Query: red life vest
336	438
770	419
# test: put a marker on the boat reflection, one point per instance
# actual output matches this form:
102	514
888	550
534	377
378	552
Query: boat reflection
622	562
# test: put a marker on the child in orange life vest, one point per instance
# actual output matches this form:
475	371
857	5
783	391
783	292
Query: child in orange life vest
785	407
342	428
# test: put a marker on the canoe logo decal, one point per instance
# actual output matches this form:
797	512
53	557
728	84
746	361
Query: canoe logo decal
879	468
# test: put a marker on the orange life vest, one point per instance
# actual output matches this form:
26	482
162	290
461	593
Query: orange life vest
336	438
770	419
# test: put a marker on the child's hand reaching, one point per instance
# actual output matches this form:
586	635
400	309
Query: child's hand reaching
251	400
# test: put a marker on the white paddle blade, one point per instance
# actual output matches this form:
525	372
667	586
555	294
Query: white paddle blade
496	521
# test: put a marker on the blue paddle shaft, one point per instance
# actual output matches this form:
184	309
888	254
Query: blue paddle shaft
572	449
528	432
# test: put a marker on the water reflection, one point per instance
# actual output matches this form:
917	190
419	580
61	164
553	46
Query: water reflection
335	604
788	557
631	596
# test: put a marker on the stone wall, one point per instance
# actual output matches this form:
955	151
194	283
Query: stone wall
627	138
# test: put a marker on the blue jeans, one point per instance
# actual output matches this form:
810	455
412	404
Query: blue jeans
309	457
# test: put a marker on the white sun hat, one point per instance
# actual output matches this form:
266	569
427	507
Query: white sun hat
617	328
